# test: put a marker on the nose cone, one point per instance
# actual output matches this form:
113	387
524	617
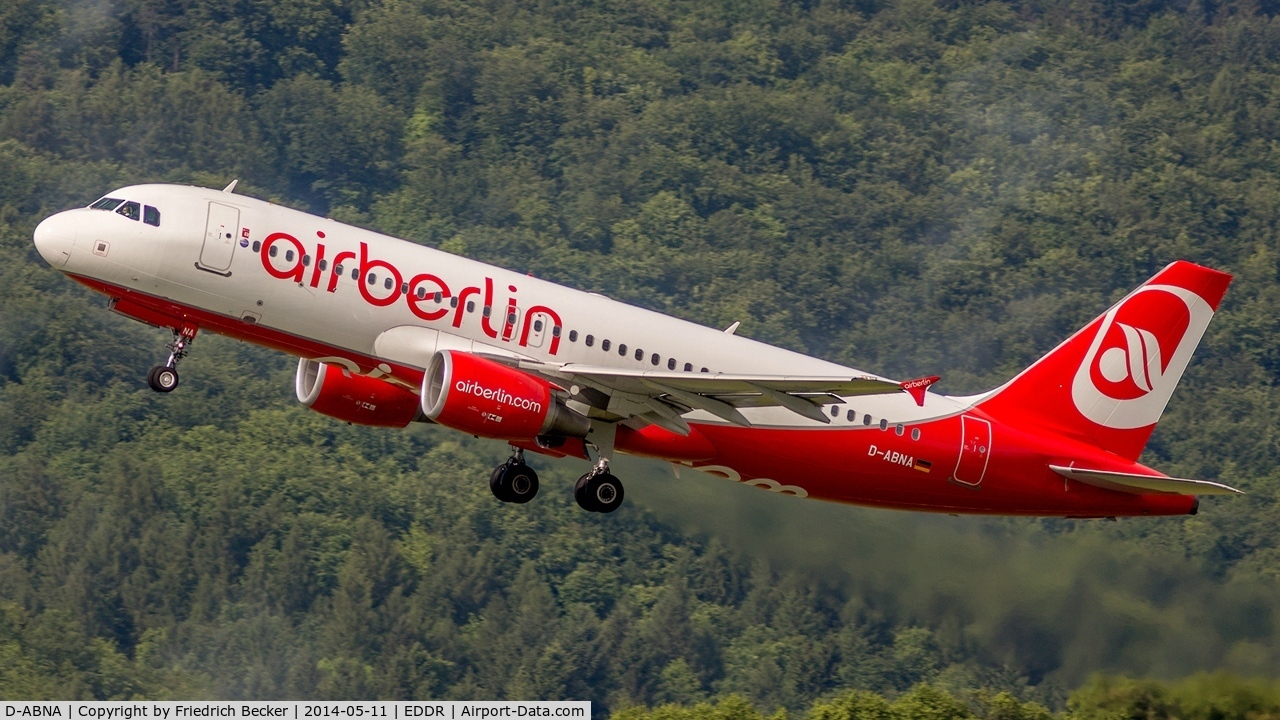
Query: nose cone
54	238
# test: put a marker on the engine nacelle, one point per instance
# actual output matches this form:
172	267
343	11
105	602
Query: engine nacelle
481	397
339	393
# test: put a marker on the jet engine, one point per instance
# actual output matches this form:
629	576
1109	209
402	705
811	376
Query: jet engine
339	393
481	397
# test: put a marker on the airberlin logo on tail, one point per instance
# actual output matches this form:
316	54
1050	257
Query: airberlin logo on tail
1140	350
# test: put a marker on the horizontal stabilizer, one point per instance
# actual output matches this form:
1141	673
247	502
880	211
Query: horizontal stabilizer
1141	484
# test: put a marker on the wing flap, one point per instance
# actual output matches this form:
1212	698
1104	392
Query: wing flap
1140	484
722	383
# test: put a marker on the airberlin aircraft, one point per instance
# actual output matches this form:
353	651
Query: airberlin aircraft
388	332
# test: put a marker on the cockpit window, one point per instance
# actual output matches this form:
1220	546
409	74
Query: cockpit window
131	210
106	203
150	215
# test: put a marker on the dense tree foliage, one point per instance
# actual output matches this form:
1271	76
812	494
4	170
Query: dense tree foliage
907	186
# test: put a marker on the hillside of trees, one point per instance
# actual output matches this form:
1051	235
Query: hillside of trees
906	186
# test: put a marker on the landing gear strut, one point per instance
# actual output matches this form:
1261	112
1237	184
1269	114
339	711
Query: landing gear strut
513	481
599	491
164	378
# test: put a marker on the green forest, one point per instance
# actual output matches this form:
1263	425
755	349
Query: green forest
911	187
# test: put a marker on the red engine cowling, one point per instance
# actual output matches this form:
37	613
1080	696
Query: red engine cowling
481	397
339	393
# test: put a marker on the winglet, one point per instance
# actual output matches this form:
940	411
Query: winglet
231	186
916	388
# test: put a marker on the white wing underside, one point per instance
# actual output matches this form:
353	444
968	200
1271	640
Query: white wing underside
658	397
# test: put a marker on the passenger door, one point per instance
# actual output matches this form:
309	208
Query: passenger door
219	238
975	451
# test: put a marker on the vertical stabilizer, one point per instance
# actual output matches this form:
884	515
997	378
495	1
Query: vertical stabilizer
1109	383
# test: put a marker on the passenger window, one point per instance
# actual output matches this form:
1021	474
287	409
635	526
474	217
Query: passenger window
422	293
622	349
851	416
899	429
705	370
639	354
589	340
915	433
884	424
537	324
306	261
453	302
439	296
835	411
106	203
131	210
338	270
471	306
369	279
511	319
573	336
688	367
555	331
404	288
866	419
487	311
288	255
671	363
604	345
273	251
324	264
150	215
355	273
258	246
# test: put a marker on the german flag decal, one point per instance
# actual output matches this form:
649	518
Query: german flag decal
923	466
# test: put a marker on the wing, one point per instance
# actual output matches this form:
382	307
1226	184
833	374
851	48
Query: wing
661	397
1139	484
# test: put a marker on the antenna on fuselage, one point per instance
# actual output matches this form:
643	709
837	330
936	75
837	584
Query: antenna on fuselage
231	186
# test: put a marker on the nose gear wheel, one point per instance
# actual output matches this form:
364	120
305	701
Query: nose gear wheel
164	378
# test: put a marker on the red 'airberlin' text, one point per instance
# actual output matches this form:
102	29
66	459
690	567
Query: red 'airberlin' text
427	296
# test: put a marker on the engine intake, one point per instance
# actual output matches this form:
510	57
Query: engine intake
481	397
339	393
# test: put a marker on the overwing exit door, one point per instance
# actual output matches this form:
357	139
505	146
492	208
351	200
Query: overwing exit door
219	238
975	451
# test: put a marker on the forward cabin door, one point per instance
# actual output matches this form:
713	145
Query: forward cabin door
219	238
975	451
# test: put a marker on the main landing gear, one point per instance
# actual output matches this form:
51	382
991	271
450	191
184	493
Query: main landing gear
513	481
598	491
164	378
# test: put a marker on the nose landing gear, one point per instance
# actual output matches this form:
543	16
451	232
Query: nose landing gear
513	481
164	378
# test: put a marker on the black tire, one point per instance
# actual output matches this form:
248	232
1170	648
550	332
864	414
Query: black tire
521	484
498	484
163	378
580	494
604	491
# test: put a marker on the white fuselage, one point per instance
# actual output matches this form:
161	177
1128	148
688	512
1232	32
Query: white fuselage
189	260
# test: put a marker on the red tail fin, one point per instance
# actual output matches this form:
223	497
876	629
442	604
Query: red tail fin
1109	383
